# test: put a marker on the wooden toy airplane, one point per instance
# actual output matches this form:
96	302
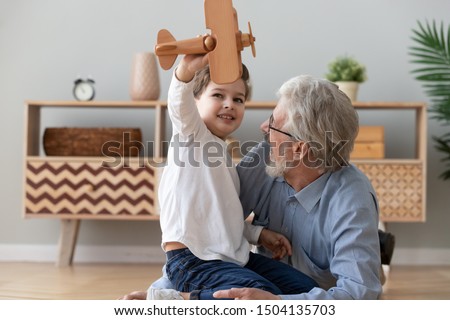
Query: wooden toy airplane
224	44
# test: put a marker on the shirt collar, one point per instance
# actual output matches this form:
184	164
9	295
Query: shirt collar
311	194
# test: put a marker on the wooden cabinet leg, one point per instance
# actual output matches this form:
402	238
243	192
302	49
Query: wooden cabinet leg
67	241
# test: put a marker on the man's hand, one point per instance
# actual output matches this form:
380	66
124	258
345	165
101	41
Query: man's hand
245	294
278	244
135	295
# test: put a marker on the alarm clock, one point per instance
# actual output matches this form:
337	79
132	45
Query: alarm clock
83	89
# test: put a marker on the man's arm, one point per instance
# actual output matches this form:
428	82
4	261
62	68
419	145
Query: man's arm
254	186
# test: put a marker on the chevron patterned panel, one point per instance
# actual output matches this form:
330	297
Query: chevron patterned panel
399	189
85	189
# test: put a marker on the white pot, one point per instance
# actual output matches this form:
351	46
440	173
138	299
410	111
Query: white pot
350	88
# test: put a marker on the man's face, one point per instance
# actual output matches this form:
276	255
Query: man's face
280	142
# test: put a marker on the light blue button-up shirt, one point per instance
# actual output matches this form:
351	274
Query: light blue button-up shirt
332	225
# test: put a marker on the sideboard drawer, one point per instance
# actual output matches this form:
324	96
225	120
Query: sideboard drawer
90	189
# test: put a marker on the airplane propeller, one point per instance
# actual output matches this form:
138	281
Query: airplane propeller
249	40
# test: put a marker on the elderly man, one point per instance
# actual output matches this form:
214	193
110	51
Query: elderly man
310	193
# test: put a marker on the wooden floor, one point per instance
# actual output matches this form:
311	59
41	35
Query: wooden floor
110	281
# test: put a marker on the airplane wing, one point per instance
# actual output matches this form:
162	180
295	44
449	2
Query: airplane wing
225	60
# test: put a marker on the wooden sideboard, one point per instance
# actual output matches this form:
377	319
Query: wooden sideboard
400	183
77	188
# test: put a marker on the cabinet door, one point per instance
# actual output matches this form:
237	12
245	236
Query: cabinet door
90	189
400	189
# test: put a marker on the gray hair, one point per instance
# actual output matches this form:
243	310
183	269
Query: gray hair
318	113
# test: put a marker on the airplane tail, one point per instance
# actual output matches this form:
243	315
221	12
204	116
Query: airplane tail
164	43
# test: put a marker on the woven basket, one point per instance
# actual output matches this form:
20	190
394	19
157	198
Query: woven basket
113	142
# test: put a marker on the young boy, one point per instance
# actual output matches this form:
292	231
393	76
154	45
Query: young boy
203	231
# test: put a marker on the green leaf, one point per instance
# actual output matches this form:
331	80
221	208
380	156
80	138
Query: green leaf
431	53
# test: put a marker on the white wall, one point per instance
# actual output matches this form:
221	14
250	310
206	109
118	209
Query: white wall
45	44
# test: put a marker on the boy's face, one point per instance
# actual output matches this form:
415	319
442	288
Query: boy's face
221	106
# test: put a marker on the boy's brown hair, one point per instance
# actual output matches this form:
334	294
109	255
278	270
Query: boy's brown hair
203	78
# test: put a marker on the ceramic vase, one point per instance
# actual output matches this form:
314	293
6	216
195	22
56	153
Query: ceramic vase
144	83
350	88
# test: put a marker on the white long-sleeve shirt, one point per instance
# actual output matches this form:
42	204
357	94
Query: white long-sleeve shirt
199	189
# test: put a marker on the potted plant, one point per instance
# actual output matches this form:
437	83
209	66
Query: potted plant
432	54
347	73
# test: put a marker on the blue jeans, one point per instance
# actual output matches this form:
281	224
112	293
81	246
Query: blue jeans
202	278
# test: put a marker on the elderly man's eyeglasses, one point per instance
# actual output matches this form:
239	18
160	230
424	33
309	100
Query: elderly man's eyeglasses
272	128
